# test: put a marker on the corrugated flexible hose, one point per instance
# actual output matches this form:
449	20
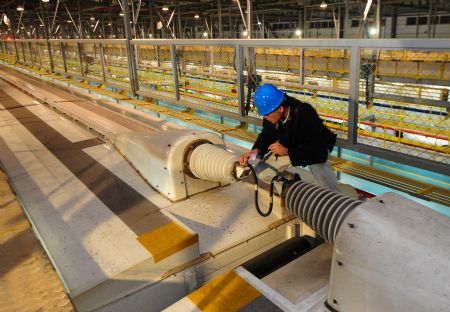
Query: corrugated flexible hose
321	209
210	162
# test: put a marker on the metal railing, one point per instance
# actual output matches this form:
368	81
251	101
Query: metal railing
387	98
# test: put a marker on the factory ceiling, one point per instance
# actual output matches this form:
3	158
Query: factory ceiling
75	15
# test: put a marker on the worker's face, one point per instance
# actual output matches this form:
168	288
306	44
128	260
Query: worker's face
274	116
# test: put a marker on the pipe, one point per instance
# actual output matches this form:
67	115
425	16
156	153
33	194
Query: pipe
322	210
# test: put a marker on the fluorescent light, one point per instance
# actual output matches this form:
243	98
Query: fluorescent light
121	14
45	0
196	16
205	34
245	33
298	32
20	8
92	18
372	31
323	5
165	9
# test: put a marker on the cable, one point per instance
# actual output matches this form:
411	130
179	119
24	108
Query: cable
262	214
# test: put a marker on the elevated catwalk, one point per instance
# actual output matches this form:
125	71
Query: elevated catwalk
107	232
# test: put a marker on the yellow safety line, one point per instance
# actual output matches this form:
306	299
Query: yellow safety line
167	240
227	292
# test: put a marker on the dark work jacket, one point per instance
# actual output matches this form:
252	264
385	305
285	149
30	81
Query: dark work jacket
308	140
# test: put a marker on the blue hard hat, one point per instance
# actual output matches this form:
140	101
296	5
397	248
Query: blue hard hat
267	99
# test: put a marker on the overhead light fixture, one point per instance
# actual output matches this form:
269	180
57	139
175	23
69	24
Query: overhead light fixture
20	8
92	18
109	24
69	21
41	25
245	33
121	14
205	34
197	16
259	23
298	32
165	9
372	31
45	0
323	5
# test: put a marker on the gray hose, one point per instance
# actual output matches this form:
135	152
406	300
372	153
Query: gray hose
321	209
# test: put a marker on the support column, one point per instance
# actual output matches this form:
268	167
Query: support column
49	50
152	22
379	19
13	31
394	24
249	19
180	28
173	52
130	49
353	100
430	16
219	10
240	79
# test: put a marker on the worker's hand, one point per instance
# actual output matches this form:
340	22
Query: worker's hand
250	155
278	149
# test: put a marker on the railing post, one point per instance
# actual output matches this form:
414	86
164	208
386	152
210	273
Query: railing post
240	78
23	52
353	99
31	52
102	58
62	47
173	53
80	58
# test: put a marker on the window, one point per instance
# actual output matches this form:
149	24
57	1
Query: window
444	19
411	21
423	20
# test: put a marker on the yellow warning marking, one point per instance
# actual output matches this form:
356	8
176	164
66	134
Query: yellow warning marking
167	240
227	292
425	190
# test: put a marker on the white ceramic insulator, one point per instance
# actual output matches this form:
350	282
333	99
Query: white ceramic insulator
210	162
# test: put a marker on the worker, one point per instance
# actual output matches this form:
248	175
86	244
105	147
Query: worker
293	128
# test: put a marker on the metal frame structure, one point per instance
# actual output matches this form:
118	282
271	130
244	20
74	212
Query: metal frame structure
353	45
